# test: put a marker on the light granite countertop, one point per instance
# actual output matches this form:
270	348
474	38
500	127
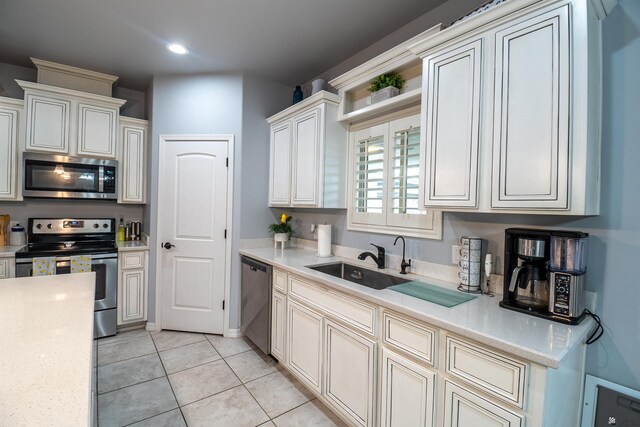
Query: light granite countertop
46	337
132	245
9	251
532	338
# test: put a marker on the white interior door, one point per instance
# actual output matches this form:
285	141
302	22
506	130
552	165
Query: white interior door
193	216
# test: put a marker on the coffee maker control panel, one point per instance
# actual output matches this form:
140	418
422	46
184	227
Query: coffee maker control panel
562	291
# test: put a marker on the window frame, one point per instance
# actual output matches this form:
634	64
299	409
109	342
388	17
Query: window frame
427	226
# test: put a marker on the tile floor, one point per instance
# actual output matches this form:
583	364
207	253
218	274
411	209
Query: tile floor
186	379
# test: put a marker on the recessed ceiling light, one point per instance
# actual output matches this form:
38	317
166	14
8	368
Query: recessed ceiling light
177	48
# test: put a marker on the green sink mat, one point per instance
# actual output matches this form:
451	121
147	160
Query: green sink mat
432	293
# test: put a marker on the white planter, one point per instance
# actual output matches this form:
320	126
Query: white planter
281	238
385	93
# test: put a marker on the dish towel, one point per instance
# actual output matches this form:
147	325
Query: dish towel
44	266
80	263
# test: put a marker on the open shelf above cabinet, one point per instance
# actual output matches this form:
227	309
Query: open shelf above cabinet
355	105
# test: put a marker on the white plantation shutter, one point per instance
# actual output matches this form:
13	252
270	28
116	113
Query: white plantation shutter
369	167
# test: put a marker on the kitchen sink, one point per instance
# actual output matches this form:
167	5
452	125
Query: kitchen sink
362	276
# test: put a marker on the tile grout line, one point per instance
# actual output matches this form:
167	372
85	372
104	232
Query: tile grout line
169	382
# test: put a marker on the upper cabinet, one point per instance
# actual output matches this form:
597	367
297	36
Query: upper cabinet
308	155
67	121
511	110
10	147
132	158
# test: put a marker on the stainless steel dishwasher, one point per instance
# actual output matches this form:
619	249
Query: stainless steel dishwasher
256	302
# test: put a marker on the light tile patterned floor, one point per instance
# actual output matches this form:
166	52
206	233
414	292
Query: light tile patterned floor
185	379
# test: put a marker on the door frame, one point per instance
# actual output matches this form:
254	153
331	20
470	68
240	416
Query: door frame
230	140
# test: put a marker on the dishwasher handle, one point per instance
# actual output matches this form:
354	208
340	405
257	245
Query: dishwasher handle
255	265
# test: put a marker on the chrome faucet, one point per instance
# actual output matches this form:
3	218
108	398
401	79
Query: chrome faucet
379	260
403	264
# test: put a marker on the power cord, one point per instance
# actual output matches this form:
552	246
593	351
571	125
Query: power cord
598	331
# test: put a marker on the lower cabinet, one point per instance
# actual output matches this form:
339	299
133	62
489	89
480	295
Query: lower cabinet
132	287
278	326
464	408
304	344
407	392
350	373
6	268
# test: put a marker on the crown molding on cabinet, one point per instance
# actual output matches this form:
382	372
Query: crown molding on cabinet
73	77
312	101
54	90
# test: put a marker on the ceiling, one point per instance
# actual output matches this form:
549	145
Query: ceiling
288	41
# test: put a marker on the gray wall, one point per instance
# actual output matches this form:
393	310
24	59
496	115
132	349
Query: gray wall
614	246
199	104
220	104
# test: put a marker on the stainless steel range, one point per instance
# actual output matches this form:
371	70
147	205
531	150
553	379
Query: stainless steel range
64	238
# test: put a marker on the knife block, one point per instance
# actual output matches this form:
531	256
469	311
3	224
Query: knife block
4	222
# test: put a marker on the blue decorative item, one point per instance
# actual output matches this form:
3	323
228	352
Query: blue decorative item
297	95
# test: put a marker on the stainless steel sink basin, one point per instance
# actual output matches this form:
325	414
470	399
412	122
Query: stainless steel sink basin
361	276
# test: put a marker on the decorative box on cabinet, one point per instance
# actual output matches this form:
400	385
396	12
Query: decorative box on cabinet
526	137
71	122
308	154
132	287
11	132
132	157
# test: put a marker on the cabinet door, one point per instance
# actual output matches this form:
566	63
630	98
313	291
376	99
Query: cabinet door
304	344
280	165
407	392
278	326
132	297
350	374
8	151
5	268
306	159
531	121
464	408
97	130
132	156
451	135
47	124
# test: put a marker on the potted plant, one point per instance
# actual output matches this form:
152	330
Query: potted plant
282	230
385	86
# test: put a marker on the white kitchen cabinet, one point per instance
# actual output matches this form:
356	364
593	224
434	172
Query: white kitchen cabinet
304	344
531	116
449	171
519	131
464	408
10	147
132	157
407	392
278	326
97	130
308	155
132	287
70	122
7	268
280	165
350	373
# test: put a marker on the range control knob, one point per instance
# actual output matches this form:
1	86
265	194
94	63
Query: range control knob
105	225
38	226
96	225
49	226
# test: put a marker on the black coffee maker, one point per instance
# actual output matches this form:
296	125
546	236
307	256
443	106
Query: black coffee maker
534	278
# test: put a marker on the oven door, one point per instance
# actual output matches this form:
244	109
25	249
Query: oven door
104	265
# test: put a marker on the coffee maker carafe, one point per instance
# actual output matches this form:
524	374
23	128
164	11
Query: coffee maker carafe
529	282
544	273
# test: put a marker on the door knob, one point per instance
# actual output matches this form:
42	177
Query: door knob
168	245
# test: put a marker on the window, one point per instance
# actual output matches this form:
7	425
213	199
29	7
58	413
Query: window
385	164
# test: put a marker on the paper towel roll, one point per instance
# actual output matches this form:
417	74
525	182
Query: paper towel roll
324	240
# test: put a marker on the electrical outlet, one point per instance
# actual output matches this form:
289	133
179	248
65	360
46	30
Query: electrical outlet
455	254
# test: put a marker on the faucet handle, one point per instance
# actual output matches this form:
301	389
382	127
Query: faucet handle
380	248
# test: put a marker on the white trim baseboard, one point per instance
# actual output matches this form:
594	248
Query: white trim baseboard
233	333
151	327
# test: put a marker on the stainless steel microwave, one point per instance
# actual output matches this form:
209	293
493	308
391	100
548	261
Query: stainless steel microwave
55	176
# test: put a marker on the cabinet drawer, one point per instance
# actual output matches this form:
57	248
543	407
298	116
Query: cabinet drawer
130	260
495	373
4	267
464	408
280	281
356	313
409	336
